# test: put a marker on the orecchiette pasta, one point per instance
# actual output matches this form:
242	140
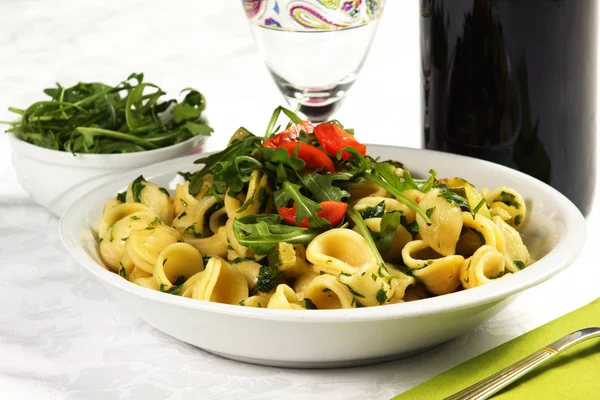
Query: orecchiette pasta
265	230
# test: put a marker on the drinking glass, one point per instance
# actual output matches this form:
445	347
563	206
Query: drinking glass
314	49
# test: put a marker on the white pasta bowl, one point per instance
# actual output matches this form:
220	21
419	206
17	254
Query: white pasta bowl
54	179
555	232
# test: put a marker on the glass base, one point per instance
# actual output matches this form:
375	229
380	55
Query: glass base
316	104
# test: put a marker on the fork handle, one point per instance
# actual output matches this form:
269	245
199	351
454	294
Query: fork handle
492	384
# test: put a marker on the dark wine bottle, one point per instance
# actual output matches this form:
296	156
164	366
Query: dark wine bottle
514	82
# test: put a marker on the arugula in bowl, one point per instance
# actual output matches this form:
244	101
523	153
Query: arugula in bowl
97	118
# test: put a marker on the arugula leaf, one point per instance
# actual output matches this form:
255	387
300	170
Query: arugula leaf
376	211
268	278
222	161
387	231
355	217
261	232
275	116
98	118
305	207
136	188
322	187
280	164
452	197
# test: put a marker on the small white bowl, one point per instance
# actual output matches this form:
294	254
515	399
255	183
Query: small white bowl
555	231
54	179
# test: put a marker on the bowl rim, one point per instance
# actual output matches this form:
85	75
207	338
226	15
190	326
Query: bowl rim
67	158
560	257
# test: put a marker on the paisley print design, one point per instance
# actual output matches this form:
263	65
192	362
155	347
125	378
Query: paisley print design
272	23
299	15
310	18
331	4
253	7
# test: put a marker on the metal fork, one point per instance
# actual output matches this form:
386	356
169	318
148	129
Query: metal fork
493	383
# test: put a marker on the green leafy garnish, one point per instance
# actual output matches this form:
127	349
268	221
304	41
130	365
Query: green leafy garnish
519	264
517	219
381	296
136	188
376	211
305	207
165	191
309	304
268	278
94	117
122	197
261	232
122	270
387	231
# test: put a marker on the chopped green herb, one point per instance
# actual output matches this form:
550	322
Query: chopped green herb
345	274
413	227
518	219
173	290
206	259
183	202
124	239
136	188
309	304
242	303
354	292
325	290
509	199
520	264
191	230
381	296
468	265
164	261
376	211
135	217
153	224
430	211
122	197
165	191
500	275
180	280
100	240
183	214
374	277
329	261
268	278
122	270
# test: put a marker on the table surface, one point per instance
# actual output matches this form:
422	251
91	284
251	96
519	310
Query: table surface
62	336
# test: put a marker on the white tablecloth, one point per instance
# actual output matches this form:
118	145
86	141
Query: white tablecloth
63	337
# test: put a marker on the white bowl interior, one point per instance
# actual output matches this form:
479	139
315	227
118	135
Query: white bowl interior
555	232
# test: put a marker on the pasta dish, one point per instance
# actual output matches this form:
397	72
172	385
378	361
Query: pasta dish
303	218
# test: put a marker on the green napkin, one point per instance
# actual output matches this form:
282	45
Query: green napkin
573	374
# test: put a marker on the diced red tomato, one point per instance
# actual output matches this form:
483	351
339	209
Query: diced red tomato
332	211
312	156
333	139
291	134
